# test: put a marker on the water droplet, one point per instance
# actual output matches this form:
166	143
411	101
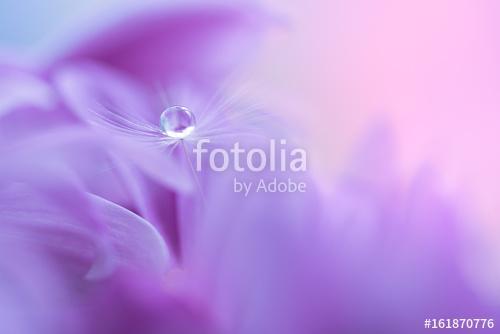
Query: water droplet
177	122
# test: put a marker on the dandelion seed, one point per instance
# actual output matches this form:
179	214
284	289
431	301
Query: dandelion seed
184	118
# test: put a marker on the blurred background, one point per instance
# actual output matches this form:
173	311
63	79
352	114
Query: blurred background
428	69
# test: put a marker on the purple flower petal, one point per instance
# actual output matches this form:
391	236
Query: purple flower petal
43	202
97	240
28	104
173	42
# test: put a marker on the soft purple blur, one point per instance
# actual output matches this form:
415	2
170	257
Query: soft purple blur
103	228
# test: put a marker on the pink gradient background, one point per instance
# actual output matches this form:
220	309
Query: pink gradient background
430	69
